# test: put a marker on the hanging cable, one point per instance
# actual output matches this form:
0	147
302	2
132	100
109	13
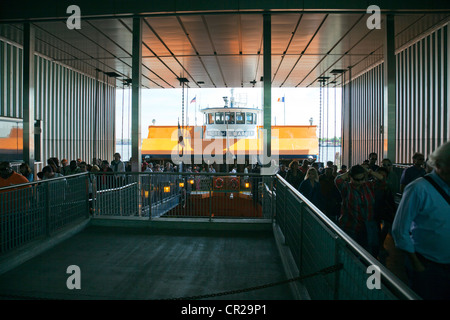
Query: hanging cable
187	106
327	123
105	112
182	105
95	116
123	102
320	118
129	120
335	105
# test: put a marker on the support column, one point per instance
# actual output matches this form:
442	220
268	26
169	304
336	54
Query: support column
267	84
350	136
389	106
28	94
136	95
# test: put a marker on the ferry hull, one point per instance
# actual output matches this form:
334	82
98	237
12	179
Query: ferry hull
288	142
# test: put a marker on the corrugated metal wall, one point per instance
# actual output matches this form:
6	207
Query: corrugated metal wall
65	102
422	96
422	117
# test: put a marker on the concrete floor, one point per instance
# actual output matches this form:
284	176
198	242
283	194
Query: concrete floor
129	263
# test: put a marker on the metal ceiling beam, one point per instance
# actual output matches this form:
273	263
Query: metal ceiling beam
30	10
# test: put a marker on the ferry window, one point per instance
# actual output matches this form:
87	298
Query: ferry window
240	117
219	117
254	118
249	118
229	117
210	119
11	135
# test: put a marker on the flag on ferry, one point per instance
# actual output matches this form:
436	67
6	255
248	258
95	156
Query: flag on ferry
194	99
281	99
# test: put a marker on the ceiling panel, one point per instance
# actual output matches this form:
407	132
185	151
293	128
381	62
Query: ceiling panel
224	31
152	43
282	28
214	72
250	69
251	34
232	70
304	66
224	49
305	32
198	33
171	35
115	37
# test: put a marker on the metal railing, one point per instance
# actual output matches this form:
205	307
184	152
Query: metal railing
173	194
316	243
36	210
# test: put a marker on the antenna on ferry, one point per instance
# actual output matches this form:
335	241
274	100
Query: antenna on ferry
232	98
225	99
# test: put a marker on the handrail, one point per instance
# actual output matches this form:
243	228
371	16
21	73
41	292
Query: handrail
222	174
131	173
15	186
117	188
387	274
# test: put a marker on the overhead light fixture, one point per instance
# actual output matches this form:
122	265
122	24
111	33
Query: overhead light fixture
112	74
182	80
337	71
200	82
322	80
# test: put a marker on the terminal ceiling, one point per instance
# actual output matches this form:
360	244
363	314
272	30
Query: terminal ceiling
215	50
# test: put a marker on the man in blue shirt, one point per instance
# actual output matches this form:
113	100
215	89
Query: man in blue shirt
412	173
422	228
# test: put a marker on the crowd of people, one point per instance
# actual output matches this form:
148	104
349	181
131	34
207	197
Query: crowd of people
361	201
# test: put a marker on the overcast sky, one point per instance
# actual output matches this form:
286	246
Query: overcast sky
164	106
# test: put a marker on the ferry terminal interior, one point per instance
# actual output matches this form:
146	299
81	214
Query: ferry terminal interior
149	236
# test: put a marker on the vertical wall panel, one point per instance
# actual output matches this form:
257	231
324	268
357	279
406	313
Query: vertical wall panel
367	116
64	105
422	116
